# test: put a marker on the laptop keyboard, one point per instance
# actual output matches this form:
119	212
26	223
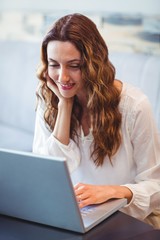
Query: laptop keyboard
85	211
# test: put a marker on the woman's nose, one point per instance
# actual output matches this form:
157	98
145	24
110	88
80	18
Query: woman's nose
63	75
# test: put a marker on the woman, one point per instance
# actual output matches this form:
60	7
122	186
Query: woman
103	127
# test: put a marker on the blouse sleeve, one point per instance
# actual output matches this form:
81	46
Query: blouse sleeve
146	152
45	143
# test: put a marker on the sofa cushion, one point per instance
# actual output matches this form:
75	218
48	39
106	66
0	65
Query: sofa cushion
143	71
14	138
18	83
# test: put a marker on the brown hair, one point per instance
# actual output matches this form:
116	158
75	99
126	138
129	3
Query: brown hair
99	75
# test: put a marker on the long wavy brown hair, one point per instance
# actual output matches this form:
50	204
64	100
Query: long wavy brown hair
98	74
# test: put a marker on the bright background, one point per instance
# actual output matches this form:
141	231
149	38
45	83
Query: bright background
126	25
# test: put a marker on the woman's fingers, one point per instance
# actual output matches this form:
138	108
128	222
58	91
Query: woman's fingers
53	87
90	194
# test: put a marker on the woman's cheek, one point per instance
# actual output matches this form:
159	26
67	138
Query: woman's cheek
50	73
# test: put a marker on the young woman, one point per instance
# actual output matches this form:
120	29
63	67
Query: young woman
103	127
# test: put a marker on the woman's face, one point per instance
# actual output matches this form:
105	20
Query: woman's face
64	67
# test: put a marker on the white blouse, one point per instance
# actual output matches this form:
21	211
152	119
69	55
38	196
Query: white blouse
136	164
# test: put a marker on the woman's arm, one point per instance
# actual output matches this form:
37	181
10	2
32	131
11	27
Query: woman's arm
93	194
62	126
55	143
143	193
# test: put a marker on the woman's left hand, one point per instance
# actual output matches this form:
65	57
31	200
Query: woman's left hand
92	194
87	194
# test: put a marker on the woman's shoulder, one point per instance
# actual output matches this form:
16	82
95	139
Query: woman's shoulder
134	103
132	97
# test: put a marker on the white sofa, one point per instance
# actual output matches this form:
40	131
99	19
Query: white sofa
18	63
143	71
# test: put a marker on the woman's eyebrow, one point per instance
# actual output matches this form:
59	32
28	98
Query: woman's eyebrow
74	60
50	59
70	61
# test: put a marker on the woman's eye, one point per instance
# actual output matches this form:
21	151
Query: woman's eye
53	65
75	66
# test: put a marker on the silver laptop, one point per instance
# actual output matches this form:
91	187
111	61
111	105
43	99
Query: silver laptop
38	188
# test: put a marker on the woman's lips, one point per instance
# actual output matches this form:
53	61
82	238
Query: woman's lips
67	86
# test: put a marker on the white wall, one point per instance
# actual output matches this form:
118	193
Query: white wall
148	7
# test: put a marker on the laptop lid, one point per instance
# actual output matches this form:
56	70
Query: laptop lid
39	189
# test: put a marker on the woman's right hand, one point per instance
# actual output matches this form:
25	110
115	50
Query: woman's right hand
62	126
52	86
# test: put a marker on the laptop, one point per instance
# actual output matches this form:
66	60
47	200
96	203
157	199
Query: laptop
38	188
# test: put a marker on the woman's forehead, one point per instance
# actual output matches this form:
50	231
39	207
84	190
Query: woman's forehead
60	49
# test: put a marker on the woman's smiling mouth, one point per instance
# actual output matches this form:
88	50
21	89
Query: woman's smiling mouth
67	86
